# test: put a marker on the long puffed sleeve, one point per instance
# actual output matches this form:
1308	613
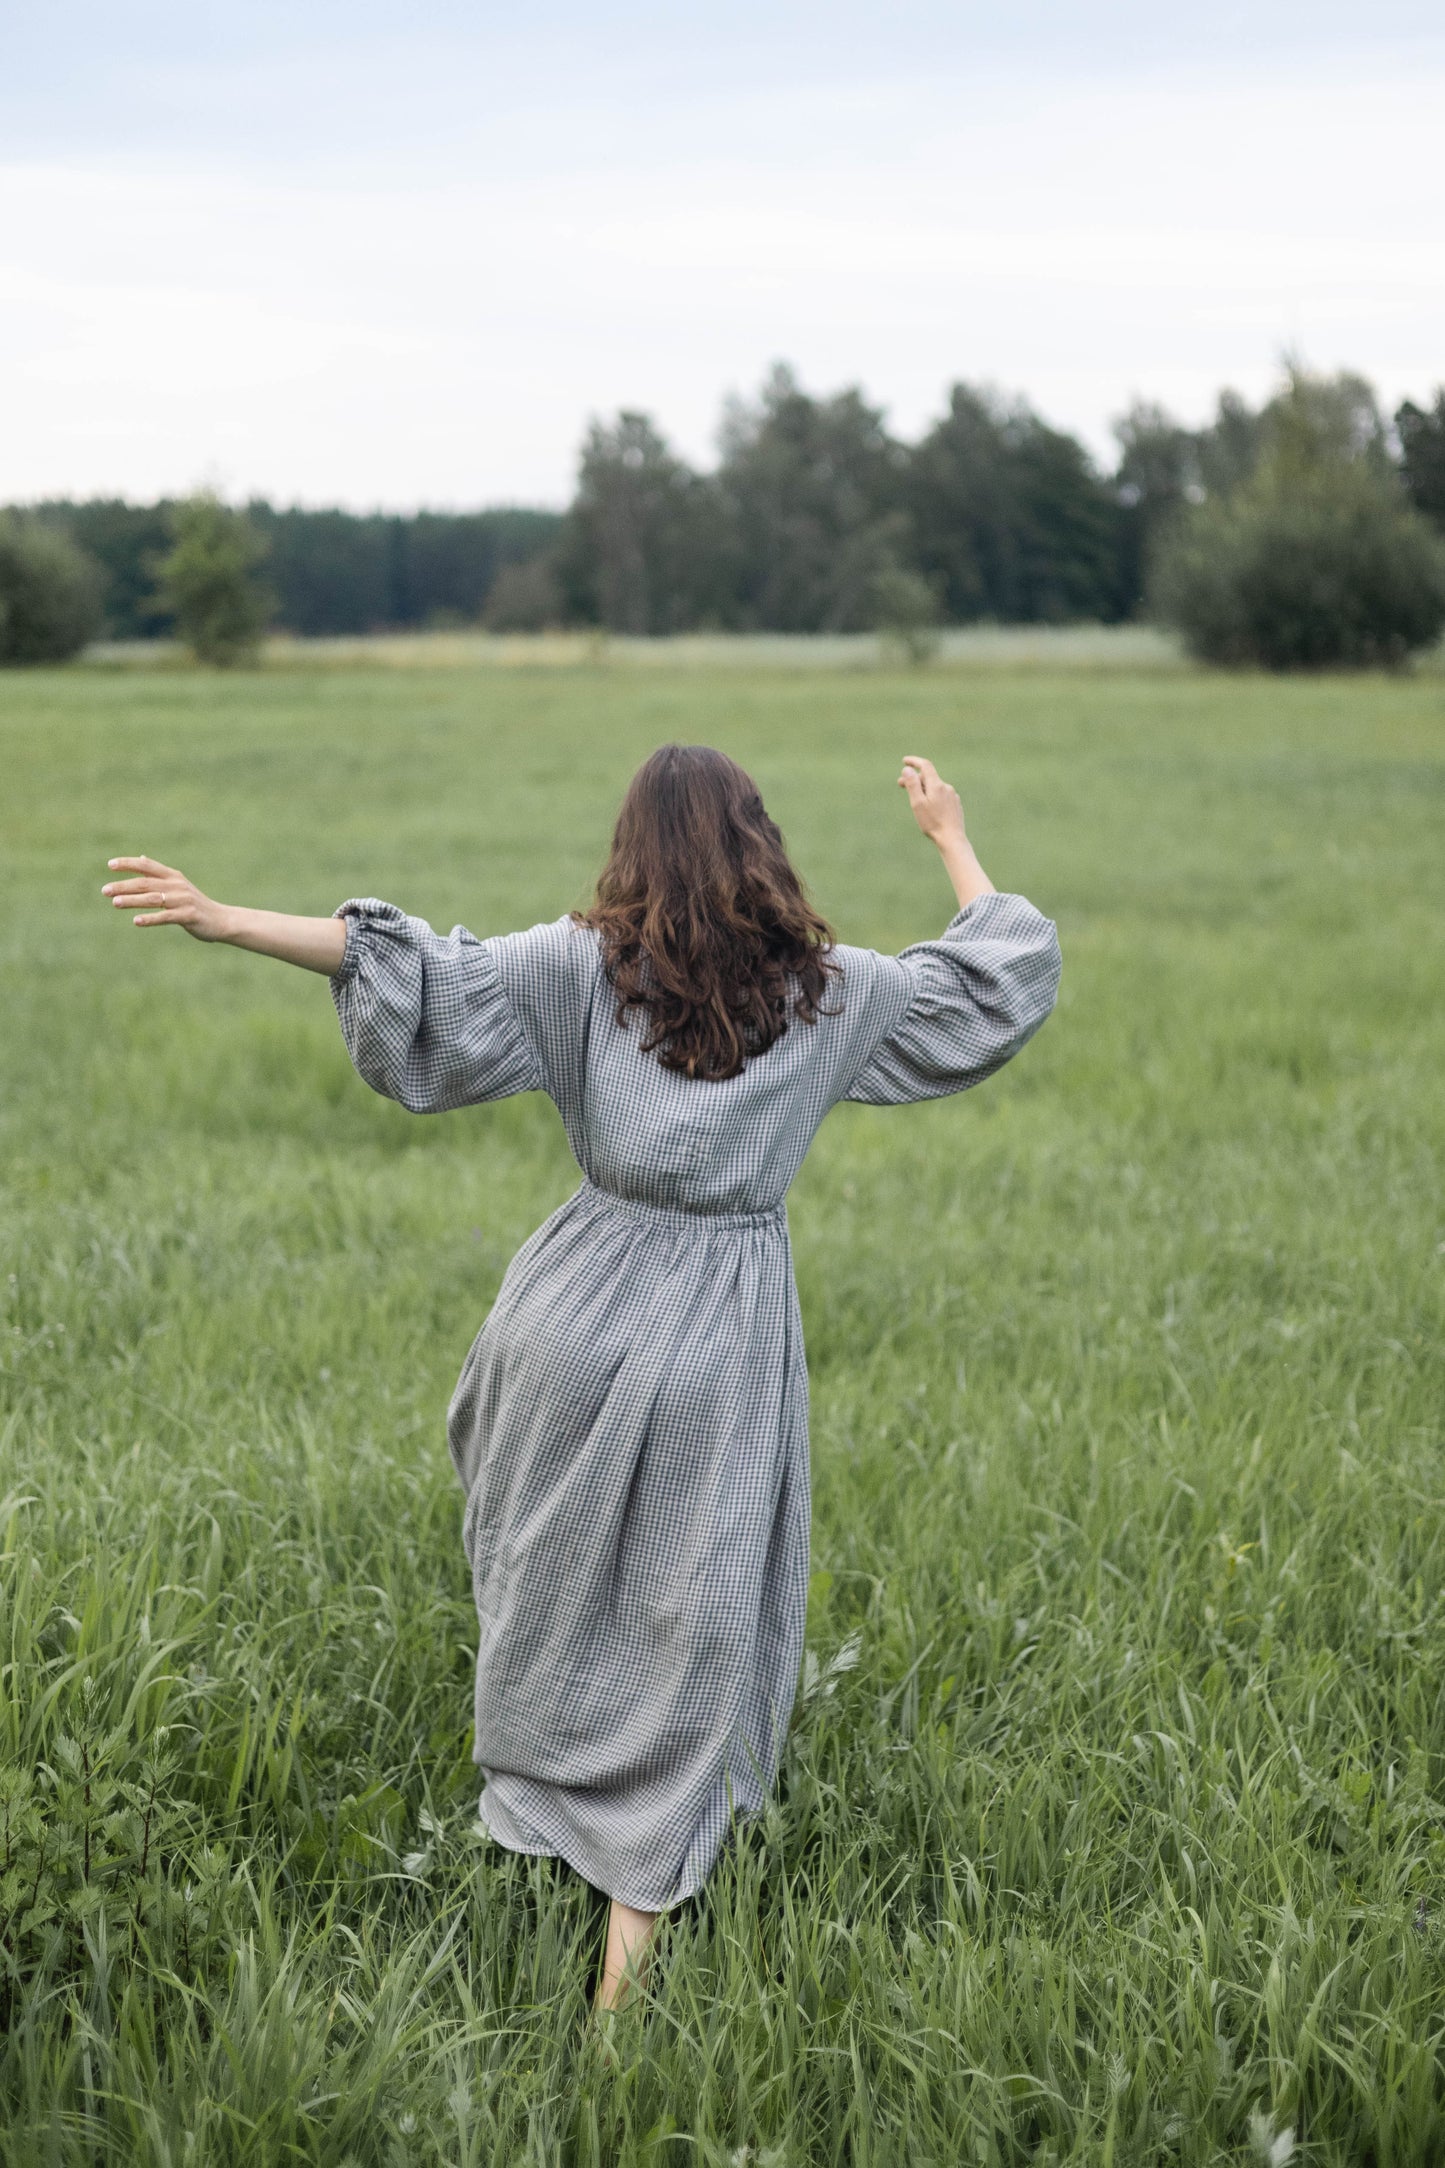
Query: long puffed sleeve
974	997
425	1016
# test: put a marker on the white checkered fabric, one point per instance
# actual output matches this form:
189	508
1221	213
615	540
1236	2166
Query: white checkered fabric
631	1425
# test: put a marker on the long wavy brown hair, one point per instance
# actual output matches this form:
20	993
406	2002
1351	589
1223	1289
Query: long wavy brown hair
704	923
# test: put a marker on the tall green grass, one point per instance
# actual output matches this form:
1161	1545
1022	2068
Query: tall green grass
1123	1838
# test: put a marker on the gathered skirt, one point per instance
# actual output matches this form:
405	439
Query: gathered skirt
631	1432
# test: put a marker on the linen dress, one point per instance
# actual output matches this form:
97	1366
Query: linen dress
630	1427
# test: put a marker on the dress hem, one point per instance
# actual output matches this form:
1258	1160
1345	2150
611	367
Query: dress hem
512	1840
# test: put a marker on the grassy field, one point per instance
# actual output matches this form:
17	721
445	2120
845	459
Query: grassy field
1124	1839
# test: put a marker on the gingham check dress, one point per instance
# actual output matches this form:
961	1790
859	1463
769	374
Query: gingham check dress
631	1425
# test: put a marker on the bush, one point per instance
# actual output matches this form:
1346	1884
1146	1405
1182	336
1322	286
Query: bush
1316	559
905	613
50	594
209	581
525	598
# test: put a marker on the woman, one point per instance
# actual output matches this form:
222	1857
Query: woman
631	1424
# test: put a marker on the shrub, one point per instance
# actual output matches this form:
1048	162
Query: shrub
524	598
209	581
905	613
1317	558
50	593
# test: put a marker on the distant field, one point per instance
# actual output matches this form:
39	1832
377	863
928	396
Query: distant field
959	648
1124	1840
1111	647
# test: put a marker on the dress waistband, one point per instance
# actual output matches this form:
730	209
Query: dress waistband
666	1215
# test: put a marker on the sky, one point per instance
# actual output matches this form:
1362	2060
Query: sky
346	253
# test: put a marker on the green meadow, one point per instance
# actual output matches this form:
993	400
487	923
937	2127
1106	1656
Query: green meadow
1112	1822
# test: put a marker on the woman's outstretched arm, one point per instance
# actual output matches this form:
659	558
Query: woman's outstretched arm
162	896
939	813
975	994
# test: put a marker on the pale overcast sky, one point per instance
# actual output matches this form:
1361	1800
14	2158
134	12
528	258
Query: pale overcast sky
336	252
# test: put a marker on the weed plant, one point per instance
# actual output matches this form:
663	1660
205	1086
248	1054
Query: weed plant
1112	1824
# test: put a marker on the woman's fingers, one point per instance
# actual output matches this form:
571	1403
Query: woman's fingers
138	894
140	865
926	792
171	909
145	874
936	805
922	776
154	909
159	895
162	896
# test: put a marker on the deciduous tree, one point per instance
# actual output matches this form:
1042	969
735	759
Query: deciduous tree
637	547
209	581
810	497
1009	516
1317	557
50	593
1421	432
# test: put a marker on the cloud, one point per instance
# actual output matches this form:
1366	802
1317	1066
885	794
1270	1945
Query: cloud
437	324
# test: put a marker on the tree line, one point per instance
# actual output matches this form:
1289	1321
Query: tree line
815	518
325	572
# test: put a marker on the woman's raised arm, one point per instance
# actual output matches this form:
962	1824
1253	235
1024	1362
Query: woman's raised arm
938	811
978	992
162	896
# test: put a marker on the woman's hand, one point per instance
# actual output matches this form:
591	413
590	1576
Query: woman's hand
939	813
161	896
937	807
